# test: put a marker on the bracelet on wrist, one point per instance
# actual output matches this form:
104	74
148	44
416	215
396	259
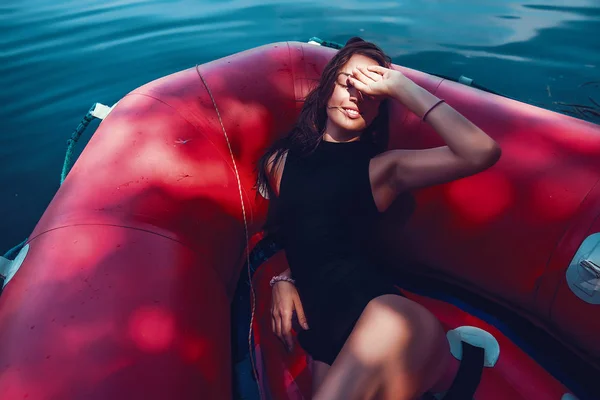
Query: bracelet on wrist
431	109
280	278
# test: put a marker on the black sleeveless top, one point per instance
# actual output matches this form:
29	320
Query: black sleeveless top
326	214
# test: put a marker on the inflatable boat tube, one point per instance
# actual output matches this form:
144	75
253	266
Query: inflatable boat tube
125	290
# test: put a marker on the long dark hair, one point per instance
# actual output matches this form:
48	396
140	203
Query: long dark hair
308	131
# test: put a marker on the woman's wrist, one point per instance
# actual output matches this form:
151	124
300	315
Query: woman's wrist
287	272
414	97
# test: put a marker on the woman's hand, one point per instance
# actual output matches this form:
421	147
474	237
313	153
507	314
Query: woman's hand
286	300
376	81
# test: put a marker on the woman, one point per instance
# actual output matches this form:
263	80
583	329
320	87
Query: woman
328	181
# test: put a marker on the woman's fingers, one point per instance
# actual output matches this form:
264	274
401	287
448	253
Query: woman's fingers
278	327
377	69
300	313
273	327
371	75
361	76
274	317
286	327
281	323
360	86
364	80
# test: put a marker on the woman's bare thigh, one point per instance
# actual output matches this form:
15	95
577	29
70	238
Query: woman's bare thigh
393	347
319	371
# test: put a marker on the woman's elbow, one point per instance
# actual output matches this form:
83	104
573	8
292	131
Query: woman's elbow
490	155
486	156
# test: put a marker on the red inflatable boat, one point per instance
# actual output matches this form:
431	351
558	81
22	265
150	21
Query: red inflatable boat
126	282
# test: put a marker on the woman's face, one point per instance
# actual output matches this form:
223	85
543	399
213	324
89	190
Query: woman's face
349	112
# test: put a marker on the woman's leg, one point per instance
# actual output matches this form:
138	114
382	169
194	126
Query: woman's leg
397	350
319	370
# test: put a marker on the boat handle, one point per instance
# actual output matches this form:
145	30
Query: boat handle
591	267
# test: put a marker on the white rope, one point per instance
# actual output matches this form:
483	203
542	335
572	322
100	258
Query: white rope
237	175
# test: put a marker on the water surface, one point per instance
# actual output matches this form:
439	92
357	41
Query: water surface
58	58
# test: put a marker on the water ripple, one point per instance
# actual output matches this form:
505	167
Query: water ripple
59	57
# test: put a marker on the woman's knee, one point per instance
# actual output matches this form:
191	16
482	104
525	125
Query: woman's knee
392	326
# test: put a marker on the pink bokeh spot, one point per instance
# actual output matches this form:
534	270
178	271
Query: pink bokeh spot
482	197
193	348
152	329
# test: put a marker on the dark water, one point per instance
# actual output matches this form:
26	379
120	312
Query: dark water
59	57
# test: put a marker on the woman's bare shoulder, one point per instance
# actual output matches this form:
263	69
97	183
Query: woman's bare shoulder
275	170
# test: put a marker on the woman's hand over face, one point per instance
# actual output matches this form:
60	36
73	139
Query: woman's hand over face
376	81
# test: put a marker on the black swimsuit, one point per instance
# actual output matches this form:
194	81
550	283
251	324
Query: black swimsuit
326	213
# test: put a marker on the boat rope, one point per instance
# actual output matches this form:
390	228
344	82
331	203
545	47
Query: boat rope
72	141
239	182
325	43
97	110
